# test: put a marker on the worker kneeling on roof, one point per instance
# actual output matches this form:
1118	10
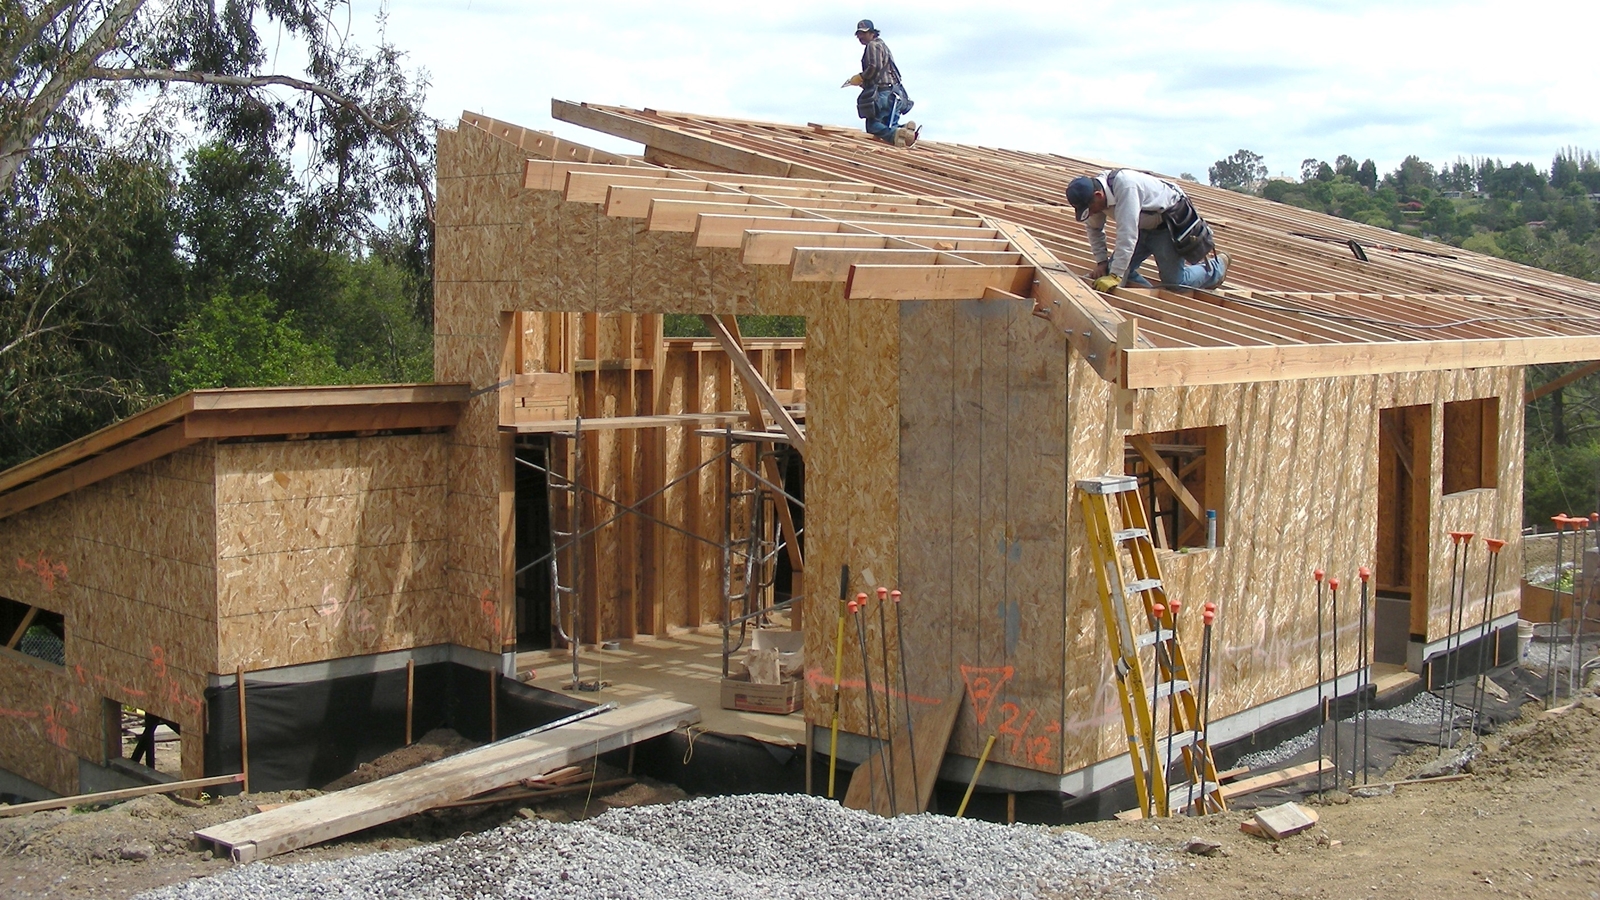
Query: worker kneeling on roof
1168	229
883	99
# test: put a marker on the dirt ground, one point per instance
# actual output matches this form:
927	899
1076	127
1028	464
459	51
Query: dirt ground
145	843
1527	824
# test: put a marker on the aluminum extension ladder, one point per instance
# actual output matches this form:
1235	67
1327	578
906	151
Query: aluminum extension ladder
1130	637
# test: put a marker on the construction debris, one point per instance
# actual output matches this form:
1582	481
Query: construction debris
1280	821
733	847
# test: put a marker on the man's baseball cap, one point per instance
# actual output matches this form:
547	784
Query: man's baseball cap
1080	193
864	25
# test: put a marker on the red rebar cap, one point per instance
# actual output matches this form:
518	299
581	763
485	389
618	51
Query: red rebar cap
1316	574
1494	544
1158	609
1364	572
1176	605
883	592
895	595
1209	616
1334	582
855	606
1209	607
1560	520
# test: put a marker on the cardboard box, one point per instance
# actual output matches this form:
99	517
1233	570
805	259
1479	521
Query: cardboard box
779	699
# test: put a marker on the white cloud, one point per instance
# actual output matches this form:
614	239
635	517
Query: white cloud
1166	85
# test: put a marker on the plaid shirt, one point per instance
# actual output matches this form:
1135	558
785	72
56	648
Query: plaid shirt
877	65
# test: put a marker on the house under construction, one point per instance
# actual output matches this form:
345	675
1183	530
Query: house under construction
574	479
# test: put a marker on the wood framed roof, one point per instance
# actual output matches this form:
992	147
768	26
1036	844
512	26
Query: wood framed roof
225	413
1306	295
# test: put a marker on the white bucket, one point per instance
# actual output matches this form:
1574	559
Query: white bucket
1524	637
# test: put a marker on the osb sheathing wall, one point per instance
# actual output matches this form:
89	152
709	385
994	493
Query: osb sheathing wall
129	563
999	421
502	248
332	548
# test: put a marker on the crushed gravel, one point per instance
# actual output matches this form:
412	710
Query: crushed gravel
1422	709
731	848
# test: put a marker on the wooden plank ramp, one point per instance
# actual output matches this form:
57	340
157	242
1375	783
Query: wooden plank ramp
458	777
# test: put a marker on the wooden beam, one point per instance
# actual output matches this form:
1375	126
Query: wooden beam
728	231
1089	322
97	442
113	462
122	794
1234	365
612	423
754	383
771	247
257	422
713	153
833	263
22	629
1556	384
476	771
935	282
543	143
684	215
1147	451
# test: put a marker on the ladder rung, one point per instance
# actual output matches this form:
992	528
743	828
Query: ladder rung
1180	739
1142	585
1178	796
1168	688
1128	534
1151	637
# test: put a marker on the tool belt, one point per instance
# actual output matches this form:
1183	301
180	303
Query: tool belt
1189	232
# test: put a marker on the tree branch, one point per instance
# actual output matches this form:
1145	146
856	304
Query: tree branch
419	175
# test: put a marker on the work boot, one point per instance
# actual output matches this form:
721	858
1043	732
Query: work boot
905	136
1218	267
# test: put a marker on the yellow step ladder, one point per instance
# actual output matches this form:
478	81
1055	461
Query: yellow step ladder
1150	667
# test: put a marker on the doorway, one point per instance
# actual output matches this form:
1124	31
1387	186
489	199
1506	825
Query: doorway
1400	560
534	541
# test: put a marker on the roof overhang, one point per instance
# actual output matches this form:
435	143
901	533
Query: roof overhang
227	413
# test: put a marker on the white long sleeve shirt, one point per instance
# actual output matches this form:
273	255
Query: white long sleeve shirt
1128	190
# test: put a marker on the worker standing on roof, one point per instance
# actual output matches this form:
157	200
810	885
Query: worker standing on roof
1154	218
883	98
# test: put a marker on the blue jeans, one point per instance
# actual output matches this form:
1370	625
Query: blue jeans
885	116
1174	271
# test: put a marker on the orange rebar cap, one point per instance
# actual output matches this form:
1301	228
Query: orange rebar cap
1494	544
1334	582
1459	536
1316	574
895	595
1209	616
855	606
1175	604
1364	572
882	592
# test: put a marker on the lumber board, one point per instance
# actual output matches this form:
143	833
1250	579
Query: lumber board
1164	367
454	778
613	423
194	784
136	453
714	153
935	282
931	736
1274	779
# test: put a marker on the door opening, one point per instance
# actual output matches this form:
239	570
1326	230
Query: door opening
1400	560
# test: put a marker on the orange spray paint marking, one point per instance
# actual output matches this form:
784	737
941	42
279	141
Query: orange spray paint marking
984	685
47	569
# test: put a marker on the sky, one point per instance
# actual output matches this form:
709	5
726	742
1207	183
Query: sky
1167	85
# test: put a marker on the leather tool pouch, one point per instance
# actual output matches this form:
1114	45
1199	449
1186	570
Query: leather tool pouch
1189	232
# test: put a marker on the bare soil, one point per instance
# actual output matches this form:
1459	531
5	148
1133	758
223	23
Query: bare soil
1527	824
145	843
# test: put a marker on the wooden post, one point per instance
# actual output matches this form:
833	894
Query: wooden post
1011	809
411	681
244	732
494	705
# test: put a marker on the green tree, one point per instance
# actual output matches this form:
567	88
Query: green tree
243	342
1243	172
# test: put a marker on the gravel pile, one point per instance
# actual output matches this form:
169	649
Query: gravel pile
730	848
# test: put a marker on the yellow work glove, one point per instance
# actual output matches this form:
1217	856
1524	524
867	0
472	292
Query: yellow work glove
853	80
1106	283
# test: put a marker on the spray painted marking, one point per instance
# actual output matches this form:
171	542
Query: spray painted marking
1038	749
984	685
47	569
